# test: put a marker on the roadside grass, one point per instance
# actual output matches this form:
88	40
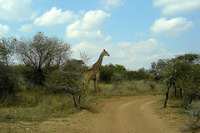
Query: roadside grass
179	117
40	105
36	106
131	88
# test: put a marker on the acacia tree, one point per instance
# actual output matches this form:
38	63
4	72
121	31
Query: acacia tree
7	47
186	70
41	53
8	81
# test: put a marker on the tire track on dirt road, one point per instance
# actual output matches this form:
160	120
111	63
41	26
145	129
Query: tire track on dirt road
118	115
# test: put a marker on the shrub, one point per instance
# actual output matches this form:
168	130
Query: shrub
8	82
70	75
41	53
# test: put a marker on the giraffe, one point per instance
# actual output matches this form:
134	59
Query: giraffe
171	83
94	72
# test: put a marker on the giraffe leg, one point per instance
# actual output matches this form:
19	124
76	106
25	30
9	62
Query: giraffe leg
79	99
95	86
97	81
190	99
166	98
175	90
98	89
86	86
74	99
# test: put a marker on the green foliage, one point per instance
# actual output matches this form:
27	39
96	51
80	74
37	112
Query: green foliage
189	58
188	76
112	73
40	54
130	88
7	48
45	63
179	65
141	74
186	71
8	82
8	79
37	106
106	73
69	75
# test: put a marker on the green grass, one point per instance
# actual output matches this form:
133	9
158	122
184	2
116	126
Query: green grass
130	88
37	106
177	115
40	105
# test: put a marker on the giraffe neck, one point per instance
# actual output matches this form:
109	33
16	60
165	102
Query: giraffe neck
100	60
97	65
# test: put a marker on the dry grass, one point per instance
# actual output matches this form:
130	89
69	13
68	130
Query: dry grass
37	106
40	106
177	115
130	88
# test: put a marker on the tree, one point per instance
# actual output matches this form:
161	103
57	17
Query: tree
8	82
189	58
84	57
7	48
70	74
137	75
185	69
159	68
41	53
106	73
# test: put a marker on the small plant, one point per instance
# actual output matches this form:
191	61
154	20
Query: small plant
193	125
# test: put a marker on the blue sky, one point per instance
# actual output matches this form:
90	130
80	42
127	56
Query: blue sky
134	32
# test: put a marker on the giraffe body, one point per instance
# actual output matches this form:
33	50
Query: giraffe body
94	72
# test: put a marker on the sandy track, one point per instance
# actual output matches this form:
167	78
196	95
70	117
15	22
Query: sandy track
117	115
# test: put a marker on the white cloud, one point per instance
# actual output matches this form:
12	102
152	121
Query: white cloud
3	30
112	3
88	26
172	26
54	17
26	28
15	9
133	55
173	7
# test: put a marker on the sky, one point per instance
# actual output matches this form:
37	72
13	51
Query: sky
134	32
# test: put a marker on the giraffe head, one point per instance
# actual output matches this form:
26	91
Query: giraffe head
105	53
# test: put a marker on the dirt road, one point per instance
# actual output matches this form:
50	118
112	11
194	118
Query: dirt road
117	115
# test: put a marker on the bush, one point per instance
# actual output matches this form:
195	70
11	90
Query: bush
8	82
106	73
141	74
70	75
35	105
40	54
185	70
129	88
115	73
